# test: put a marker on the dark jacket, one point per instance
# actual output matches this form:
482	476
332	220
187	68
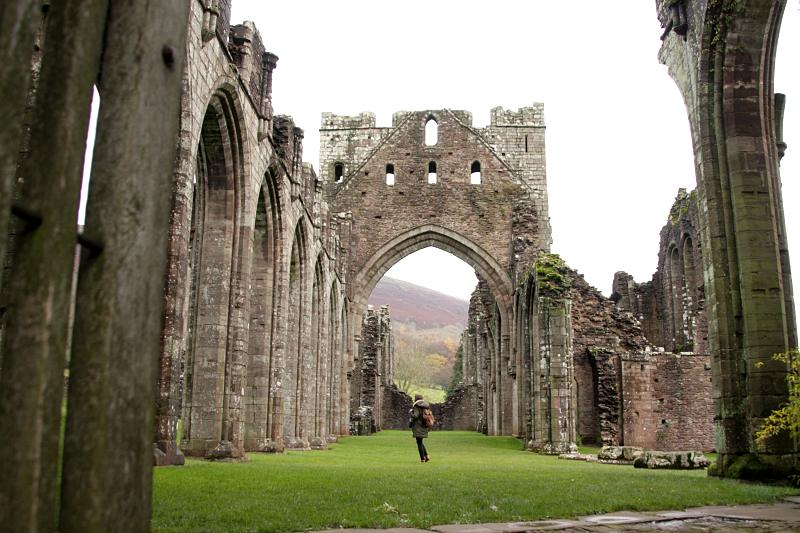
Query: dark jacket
418	429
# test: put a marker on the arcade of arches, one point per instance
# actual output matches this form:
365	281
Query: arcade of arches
260	327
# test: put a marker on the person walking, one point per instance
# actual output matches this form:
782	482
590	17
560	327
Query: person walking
418	428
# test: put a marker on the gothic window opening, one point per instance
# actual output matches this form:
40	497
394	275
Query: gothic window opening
431	132
338	172
432	176
390	174
475	173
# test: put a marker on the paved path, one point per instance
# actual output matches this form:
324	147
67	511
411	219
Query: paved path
783	516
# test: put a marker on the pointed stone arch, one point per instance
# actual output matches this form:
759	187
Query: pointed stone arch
296	357
215	272
262	375
439	237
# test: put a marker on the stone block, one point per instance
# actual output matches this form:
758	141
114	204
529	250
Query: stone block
672	460
619	454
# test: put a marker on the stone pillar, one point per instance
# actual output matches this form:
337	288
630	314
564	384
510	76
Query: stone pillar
506	380
269	62
723	67
554	409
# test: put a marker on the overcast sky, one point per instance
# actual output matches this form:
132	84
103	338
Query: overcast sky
618	144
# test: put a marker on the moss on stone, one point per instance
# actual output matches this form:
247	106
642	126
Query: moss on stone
751	467
680	208
552	276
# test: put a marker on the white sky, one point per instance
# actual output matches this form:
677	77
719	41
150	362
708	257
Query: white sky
618	145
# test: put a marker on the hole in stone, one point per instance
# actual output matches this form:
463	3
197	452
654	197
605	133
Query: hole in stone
432	176
390	174
475	173
431	132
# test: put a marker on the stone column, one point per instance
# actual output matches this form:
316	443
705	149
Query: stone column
554	410
723	66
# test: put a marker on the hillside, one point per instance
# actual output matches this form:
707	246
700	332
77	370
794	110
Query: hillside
412	304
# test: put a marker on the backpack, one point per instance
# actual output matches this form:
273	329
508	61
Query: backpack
428	420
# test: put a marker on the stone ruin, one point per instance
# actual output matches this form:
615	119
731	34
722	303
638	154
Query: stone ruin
626	388
221	284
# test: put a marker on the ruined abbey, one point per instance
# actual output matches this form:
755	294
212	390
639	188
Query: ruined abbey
217	301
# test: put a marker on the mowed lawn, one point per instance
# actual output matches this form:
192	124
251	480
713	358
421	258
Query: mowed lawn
378	481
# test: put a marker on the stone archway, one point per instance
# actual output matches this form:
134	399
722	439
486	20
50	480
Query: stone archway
498	391
439	237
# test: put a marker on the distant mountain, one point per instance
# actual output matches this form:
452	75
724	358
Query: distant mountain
409	303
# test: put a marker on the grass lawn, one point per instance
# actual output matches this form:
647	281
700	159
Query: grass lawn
378	481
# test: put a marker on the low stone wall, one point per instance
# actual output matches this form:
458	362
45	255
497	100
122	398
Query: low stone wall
396	405
667	403
683	406
460	411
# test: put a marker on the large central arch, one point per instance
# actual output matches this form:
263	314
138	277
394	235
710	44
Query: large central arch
439	237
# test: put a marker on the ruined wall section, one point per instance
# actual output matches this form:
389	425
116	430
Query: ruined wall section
518	137
602	334
684	406
228	85
372	375
671	306
348	140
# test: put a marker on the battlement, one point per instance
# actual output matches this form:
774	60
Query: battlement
331	121
532	116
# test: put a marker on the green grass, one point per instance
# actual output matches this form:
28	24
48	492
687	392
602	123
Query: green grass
432	395
378	481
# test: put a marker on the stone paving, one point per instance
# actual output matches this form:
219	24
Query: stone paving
783	516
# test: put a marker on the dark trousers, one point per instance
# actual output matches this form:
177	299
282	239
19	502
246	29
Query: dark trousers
423	453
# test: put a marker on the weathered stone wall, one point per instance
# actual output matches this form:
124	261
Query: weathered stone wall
372	372
618	372
254	348
396	405
602	335
684	407
460	411
638	398
668	401
509	202
671	307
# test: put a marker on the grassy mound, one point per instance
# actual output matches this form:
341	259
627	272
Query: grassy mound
378	481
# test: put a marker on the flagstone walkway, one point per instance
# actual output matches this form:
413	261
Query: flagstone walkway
783	516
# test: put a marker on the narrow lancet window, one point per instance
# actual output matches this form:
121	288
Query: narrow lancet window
432	178
475	173
338	172
390	174
431	132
